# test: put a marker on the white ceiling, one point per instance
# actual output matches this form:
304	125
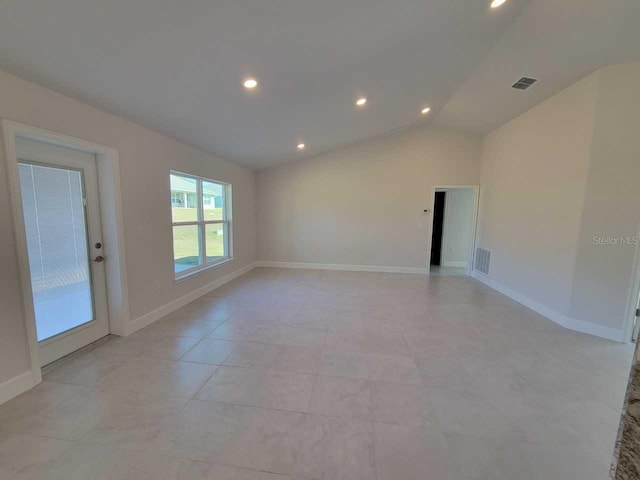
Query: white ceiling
177	65
556	41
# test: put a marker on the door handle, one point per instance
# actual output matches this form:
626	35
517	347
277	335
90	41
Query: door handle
99	259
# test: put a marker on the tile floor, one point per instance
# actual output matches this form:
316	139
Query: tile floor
449	271
295	374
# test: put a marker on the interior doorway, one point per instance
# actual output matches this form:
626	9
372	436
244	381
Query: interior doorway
453	230
438	228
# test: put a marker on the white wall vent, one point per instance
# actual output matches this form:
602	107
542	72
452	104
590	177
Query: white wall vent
482	260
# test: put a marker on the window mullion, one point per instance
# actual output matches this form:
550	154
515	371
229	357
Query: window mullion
202	238
224	203
184	224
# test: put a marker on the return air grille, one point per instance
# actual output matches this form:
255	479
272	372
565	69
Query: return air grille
524	83
482	261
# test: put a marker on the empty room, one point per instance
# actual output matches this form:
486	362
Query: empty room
319	240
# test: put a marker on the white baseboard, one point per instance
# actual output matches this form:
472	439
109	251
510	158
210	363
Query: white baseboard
341	267
17	385
148	318
447	263
557	317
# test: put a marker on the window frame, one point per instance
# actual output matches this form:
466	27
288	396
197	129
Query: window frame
201	224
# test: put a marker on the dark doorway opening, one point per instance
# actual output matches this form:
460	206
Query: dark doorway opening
438	223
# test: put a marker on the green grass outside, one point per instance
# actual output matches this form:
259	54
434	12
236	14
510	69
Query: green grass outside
185	238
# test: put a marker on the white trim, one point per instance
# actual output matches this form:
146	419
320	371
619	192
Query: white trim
617	335
112	226
341	267
448	263
633	298
193	272
154	315
19	384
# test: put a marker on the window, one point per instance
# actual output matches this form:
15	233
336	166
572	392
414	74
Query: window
201	222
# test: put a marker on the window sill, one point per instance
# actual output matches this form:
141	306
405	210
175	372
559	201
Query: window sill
192	273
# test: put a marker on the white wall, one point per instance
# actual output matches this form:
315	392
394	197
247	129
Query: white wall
458	226
534	170
552	179
362	205
145	160
604	273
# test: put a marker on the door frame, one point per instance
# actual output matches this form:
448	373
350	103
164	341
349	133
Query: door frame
633	298
472	243
111	218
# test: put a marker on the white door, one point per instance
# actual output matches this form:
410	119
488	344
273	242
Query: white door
59	189
636	324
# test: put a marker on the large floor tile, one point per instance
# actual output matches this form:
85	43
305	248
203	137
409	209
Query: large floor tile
255	438
366	341
162	377
234	330
335	449
129	418
86	369
447	374
209	350
389	368
321	375
411	453
402	404
85	461
478	457
342	397
259	387
344	364
185	326
162	346
87	410
43	398
24	457
464	412
276	357
285	335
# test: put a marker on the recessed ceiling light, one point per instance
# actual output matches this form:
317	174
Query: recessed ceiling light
250	83
497	3
425	110
301	146
361	101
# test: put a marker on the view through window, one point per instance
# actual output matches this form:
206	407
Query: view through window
200	210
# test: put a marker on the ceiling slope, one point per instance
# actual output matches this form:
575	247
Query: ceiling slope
177	66
555	41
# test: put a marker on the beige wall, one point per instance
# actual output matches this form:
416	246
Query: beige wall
552	179
534	170
145	160
604	273
362	205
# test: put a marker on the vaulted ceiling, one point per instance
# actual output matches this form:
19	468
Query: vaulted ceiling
177	66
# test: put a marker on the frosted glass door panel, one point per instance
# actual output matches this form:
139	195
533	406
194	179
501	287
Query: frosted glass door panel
56	229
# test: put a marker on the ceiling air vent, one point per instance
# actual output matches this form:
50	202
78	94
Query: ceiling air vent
482	261
524	83
401	128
